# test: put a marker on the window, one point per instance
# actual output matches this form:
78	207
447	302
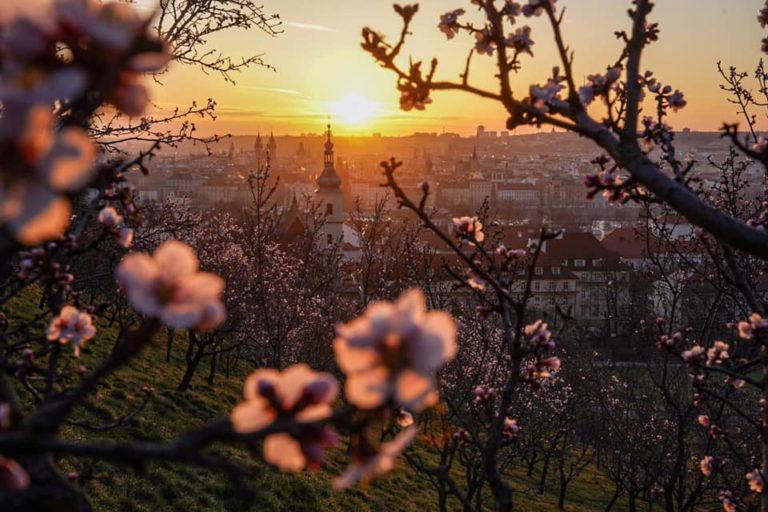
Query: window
536	286
552	286
579	263
556	271
597	263
565	262
329	208
539	271
551	300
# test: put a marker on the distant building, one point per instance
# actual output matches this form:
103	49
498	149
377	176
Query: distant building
330	197
521	194
272	147
258	149
480	189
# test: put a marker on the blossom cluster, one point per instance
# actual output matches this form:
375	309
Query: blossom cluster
47	153
469	230
71	326
168	285
748	328
538	340
297	393
599	85
114	223
389	356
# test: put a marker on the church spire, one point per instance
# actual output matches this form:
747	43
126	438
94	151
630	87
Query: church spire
328	178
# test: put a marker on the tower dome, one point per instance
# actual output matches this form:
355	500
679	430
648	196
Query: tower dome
329	179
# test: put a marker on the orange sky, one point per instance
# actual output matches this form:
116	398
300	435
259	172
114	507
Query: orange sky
319	61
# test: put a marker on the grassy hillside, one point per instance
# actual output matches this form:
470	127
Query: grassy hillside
174	487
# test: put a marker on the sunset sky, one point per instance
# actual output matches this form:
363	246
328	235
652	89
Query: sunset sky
321	69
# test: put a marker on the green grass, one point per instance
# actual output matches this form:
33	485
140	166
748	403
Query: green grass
176	487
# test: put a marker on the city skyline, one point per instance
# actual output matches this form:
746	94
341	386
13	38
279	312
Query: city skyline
332	76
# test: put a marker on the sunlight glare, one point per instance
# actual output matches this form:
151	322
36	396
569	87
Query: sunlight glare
354	109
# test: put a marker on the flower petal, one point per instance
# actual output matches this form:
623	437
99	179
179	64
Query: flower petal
285	452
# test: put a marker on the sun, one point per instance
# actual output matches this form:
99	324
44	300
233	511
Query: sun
354	109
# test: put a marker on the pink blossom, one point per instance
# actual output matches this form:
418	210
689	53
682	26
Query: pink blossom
382	461
693	355
46	165
707	465
762	17
413	97
168	285
124	237
510	429
484	394
468	229
548	95
296	393
512	254
540	370
598	85
116	27
13	478
475	281
760	146
113	221
71	326
726	499
109	217
449	23
676	101
393	351
538	335
512	9
484	43
404	419
755	480
747	328
703	420
521	40
718	353
536	7
112	25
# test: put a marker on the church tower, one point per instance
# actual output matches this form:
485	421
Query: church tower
272	147
329	197
258	148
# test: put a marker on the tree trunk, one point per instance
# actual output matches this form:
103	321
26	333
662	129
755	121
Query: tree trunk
561	494
212	371
192	364
168	350
669	498
442	496
613	501
532	462
544	470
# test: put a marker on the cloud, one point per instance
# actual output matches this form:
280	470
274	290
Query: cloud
309	26
278	90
